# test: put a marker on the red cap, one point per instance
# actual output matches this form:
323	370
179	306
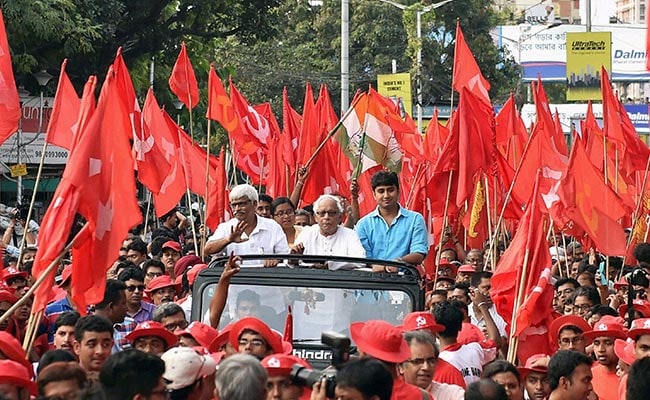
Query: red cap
380	340
621	282
16	374
640	326
202	333
528	367
421	320
13	272
624	350
7	296
281	364
13	350
567	320
152	328
65	274
222	338
186	262
607	326
262	329
470	333
194	272
444	264
162	282
467	268
171	244
642	306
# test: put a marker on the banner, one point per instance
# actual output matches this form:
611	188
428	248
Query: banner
585	54
541	50
398	88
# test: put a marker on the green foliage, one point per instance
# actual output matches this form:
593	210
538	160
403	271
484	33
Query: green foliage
264	44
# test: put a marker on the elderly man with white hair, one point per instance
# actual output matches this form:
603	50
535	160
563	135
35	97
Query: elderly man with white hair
247	233
328	237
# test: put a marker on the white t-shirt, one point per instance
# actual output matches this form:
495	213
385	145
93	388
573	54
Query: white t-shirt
344	242
498	320
266	238
470	358
445	391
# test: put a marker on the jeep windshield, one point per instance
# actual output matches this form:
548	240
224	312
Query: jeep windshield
320	299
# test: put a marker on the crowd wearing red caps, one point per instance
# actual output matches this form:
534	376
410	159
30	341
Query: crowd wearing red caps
142	339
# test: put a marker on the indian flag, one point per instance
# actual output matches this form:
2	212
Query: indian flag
365	132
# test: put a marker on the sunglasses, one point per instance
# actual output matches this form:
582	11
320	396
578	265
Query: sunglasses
132	288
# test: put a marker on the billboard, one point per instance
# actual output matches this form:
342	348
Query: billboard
397	87
585	54
541	49
33	136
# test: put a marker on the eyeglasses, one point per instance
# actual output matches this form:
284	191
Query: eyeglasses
287	213
154	274
132	288
326	212
253	343
583	307
240	204
420	361
574	340
176	325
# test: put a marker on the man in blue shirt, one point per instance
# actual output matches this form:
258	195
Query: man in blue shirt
392	232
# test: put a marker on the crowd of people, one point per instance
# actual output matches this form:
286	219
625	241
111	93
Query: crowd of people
142	340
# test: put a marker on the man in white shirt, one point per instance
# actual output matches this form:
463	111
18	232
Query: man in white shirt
247	233
468	358
328	237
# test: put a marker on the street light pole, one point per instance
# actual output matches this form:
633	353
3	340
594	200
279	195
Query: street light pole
345	55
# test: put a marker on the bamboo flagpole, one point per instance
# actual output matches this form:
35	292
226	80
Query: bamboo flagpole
444	226
207	186
335	129
53	265
514	340
31	205
416	178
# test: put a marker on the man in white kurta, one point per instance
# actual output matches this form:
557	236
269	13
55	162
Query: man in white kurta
327	238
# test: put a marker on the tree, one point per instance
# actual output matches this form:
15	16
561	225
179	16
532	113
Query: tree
88	32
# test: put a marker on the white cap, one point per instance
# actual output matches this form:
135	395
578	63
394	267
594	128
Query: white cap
557	253
184	366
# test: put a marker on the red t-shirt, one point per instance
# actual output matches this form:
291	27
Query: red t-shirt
605	382
447	373
405	391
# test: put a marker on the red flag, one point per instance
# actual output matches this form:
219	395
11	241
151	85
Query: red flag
310	132
254	133
291	121
55	230
276	180
511	134
467	74
182	81
65	111
528	244
101	169
218	208
541	153
475	145
9	101
57	222
618	127
219	105
591	204
156	155
192	157
558	136
127	98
